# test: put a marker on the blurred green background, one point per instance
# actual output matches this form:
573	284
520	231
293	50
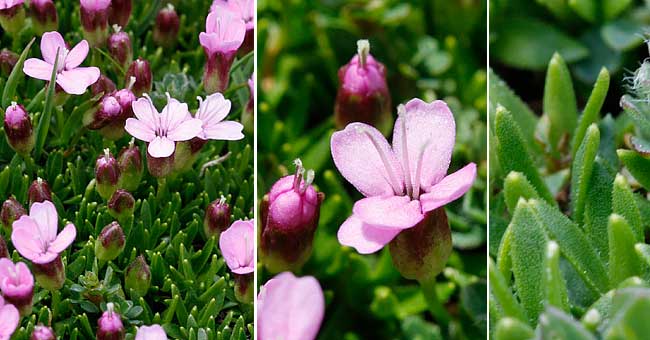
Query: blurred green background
431	50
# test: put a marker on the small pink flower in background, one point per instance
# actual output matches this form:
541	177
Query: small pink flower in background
238	247
9	319
162	129
290	308
153	332
17	284
72	78
223	36
35	235
402	183
6	4
212	112
243	9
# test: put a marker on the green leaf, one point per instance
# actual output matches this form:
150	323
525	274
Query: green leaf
559	100
503	295
637	165
559	8
15	76
44	121
513	329
516	186
612	8
527	252
624	204
630	308
623	261
511	142
598	208
529	44
585	8
554	324
622	34
556	290
581	172
638	113
591	113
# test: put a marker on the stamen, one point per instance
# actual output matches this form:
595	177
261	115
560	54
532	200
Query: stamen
308	181
107	153
297	178
405	153
418	171
222	200
363	49
117	28
392	178
131	83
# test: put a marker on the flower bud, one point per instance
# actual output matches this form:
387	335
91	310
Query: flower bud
42	332
11	211
44	16
363	94
217	218
17	285
119	46
4	251
39	191
18	128
224	34
120	12
165	32
126	97
244	287
103	85
160	167
421	252
143	78
94	20
289	213
12	16
50	276
109	325
121	204
137	278
108	110
8	60
129	161
110	242
107	173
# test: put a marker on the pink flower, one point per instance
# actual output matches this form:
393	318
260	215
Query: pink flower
244	9
9	319
35	235
224	33
238	247
72	78
402	183
153	332
15	279
290	308
162	129
6	4
212	112
95	5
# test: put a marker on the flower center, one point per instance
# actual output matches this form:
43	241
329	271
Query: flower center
412	183
63	54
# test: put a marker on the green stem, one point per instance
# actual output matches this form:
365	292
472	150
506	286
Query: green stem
436	308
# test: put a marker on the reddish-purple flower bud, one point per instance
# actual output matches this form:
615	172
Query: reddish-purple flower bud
121	204
110	242
108	110
289	214
94	20
8	60
107	174
42	332
120	12
160	167
44	16
421	252
104	85
12	16
141	70
119	46
126	97
50	276
131	168
137	278
11	211
217	218
4	251
363	94
39	191
18	127
165	32
224	34
109	325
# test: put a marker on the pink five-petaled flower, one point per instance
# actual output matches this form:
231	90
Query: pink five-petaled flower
17	284
35	235
153	332
402	183
72	78
212	112
9	319
162	129
224	33
237	246
290	308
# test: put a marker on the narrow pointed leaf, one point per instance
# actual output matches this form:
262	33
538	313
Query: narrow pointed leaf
624	204
623	260
581	172
591	113
637	165
14	77
598	207
503	295
516	186
555	324
559	100
46	116
556	290
513	329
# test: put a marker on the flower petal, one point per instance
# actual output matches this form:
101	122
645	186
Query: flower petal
139	130
64	240
37	68
24	237
186	130
47	219
9	318
366	239
161	147
213	109
50	43
77	80
397	212
76	55
449	189
362	155
424	137
237	246
228	130
173	114
145	111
